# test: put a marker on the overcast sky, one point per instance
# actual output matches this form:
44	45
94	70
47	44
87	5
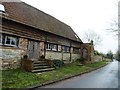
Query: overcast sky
84	15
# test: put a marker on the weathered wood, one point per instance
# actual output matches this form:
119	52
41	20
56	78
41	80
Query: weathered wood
35	34
33	50
22	30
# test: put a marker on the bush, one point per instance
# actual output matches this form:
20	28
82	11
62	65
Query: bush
58	63
81	60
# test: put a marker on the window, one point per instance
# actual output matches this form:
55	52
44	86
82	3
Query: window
66	49
11	41
8	40
76	50
52	47
48	46
2	8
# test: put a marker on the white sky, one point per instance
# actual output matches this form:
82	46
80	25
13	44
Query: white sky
84	15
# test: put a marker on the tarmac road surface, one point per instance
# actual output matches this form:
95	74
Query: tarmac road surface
106	77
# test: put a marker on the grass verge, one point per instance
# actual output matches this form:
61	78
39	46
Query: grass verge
18	78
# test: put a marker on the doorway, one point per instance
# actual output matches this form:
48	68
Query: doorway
33	50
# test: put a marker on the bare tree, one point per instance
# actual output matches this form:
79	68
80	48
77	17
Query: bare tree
92	36
114	27
115	24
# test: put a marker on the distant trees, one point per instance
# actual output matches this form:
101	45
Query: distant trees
109	54
114	27
98	53
92	36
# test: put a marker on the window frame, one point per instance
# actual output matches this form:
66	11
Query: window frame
48	46
54	47
76	50
51	47
66	49
11	39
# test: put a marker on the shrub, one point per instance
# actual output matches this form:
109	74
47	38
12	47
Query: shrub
81	60
58	63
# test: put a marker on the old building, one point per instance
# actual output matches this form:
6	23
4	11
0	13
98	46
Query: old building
27	30
87	51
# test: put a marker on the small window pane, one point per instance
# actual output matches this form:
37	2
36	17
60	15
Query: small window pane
12	41
48	46
54	47
76	50
66	49
8	40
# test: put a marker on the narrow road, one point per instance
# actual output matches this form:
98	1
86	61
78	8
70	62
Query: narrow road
106	77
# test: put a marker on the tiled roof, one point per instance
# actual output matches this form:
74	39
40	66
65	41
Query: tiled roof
28	15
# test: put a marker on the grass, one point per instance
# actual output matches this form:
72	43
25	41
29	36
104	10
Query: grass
97	64
18	78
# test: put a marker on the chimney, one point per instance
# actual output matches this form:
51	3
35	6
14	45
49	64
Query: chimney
91	42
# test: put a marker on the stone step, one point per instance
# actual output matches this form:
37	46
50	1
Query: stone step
40	64
42	70
37	62
40	67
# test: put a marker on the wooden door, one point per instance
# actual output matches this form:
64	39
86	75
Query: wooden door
30	49
36	53
33	50
85	53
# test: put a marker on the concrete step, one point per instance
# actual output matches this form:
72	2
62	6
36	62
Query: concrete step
37	62
42	70
40	67
40	64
